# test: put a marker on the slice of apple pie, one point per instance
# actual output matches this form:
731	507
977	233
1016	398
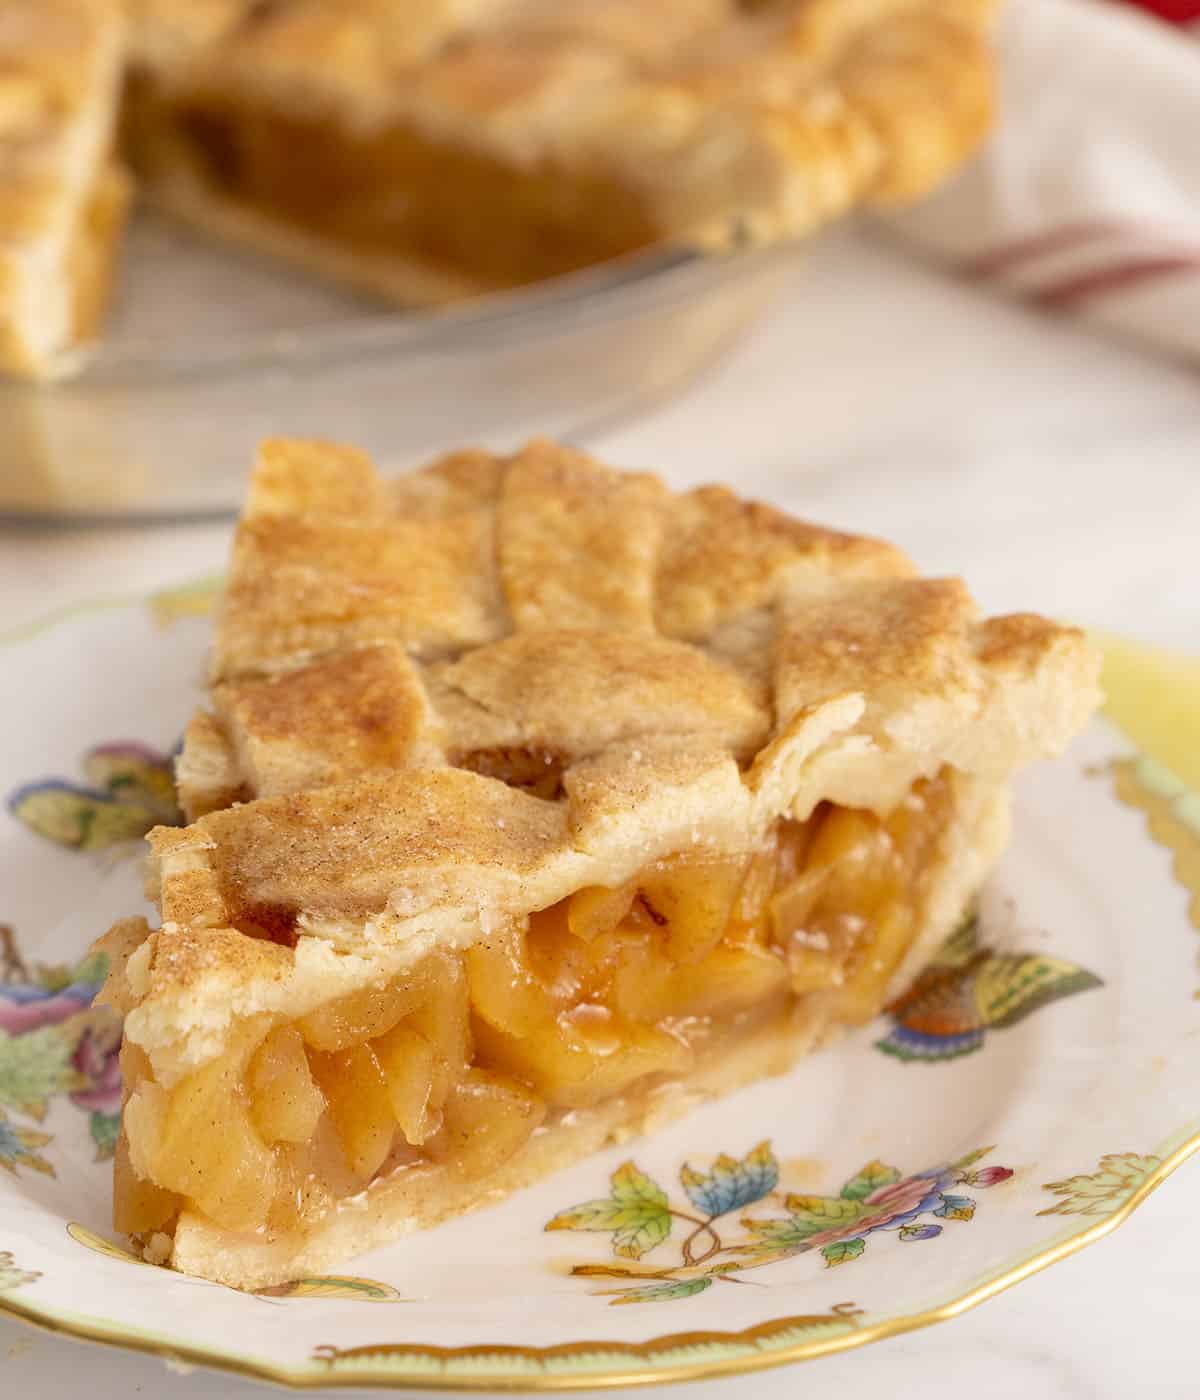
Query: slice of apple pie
534	804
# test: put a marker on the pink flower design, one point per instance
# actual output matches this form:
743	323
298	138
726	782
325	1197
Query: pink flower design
989	1176
26	1008
903	1195
95	1058
901	1201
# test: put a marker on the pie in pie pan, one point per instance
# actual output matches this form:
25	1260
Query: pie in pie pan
426	150
535	804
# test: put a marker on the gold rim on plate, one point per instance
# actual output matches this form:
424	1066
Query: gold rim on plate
632	1374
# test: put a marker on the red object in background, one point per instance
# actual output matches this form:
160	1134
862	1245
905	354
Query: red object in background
1176	11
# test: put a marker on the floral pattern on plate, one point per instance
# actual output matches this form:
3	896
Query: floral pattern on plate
969	989
127	789
12	1276
1106	1189
639	1215
53	1042
489	1299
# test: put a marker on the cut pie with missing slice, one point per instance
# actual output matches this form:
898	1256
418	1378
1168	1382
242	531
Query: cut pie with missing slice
428	149
534	804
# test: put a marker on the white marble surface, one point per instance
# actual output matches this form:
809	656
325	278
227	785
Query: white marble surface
1056	471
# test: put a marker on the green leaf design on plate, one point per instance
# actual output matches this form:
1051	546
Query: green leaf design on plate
824	1212
636	1213
130	788
869	1178
1011	986
809	1215
11	1276
729	1184
36	1066
104	1128
73	816
665	1292
842	1252
775	1236
630	1183
93	970
134	774
956	1208
1103	1191
962	945
20	1147
962	1163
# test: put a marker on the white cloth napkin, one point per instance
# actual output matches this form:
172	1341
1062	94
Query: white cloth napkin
1087	200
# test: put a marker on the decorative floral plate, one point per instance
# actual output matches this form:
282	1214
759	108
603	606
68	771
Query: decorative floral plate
1017	1104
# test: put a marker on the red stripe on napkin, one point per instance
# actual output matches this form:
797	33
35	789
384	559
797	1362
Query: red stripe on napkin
1121	276
1060	239
1175	11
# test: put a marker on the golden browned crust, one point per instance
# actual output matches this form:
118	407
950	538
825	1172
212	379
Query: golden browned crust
466	480
308	477
185	958
428	584
414	838
405	796
722	557
354	712
62	201
576	541
547	684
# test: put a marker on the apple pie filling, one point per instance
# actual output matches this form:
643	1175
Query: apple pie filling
603	995
395	190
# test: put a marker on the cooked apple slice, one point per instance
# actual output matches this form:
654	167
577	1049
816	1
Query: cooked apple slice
489	1117
285	1102
407	1060
139	1206
199	1141
364	1014
692	901
504	992
360	1105
596	910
